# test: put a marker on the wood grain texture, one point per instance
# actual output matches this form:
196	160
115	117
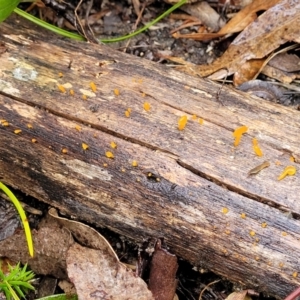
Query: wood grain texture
195	172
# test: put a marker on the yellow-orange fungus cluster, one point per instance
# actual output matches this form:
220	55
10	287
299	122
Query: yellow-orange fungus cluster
237	134
93	87
84	146
113	145
109	154
256	148
147	106
288	171
182	122
61	88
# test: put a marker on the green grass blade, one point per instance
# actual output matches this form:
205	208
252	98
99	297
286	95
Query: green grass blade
125	37
7	7
48	26
22	214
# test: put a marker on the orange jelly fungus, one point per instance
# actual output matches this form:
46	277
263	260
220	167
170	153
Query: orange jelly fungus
113	145
252	233
295	274
84	97
243	215
238	134
182	122
72	93
127	113
64	151
292	158
33	140
109	154
225	210
5	123
194	117
84	146
77	127
93	87
29	126
116	92
134	163
105	165
60	74
289	170
201	121
264	225
61	88
256	148
147	106
283	233
17	131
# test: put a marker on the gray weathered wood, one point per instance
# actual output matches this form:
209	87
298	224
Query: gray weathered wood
198	171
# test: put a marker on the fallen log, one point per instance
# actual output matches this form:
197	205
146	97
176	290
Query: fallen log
191	186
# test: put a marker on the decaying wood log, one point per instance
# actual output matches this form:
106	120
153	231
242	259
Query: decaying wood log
198	195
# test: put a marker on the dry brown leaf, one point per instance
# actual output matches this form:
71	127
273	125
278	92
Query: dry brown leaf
163	270
51	243
247	71
273	28
242	295
96	275
84	234
240	21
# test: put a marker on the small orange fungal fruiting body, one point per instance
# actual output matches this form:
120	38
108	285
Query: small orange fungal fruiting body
295	274
84	97
64	150
113	145
17	131
116	92
72	93
109	154
147	106
61	88
33	140
127	113
243	215
84	146
29	126
238	134
60	74
134	163
93	87
289	170
256	148
264	225
77	127
225	210
194	117
201	121
252	233
5	123
292	158
182	122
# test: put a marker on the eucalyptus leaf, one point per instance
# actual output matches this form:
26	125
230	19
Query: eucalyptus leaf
7	7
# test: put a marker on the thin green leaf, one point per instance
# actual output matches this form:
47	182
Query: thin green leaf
48	26
12	292
7	7
18	291
21	213
60	297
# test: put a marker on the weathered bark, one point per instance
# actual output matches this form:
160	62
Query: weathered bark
195	172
